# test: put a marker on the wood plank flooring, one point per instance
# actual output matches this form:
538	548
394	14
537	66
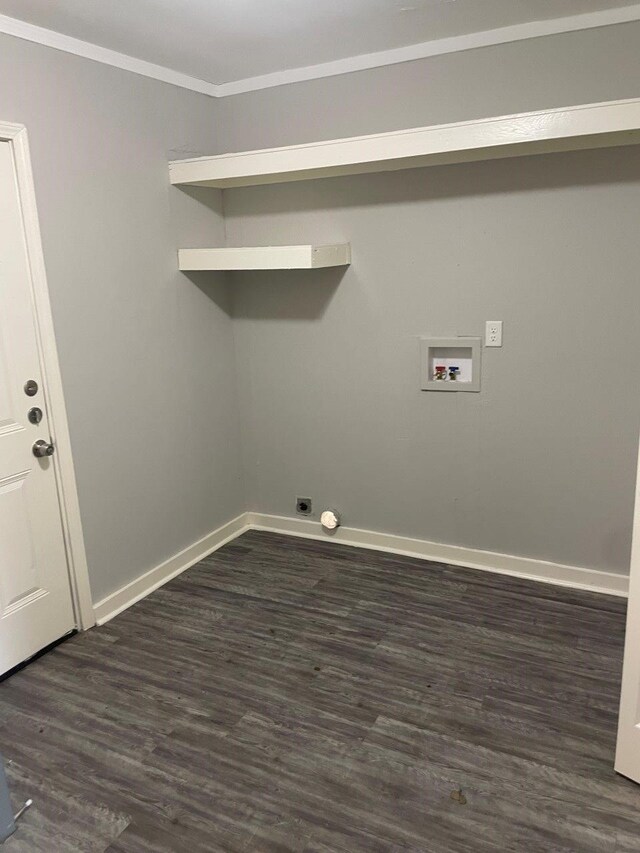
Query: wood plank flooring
289	695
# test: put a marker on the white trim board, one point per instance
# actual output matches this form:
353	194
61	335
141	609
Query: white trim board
438	47
571	128
132	592
454	555
87	50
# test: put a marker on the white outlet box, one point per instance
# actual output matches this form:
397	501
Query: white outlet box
493	333
463	353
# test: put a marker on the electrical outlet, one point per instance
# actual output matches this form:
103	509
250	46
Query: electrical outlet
303	506
493	333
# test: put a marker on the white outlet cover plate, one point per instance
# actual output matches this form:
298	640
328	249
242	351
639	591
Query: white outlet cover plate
493	333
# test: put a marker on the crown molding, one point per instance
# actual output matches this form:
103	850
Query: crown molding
439	47
87	50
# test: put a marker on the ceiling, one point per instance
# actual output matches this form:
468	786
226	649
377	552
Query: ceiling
219	41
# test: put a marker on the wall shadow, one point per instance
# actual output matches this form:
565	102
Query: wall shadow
284	294
430	183
214	285
209	197
270	294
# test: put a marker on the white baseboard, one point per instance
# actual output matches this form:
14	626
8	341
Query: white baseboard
171	568
455	555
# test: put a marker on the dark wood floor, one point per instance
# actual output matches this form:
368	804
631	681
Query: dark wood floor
287	695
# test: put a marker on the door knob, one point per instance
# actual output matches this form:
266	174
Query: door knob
43	448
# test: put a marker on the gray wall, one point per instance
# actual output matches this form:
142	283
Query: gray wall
146	357
573	68
542	462
327	367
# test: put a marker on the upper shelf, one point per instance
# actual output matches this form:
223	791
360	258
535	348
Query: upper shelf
304	257
570	128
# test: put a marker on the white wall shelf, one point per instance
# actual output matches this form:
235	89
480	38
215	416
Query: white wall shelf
571	128
265	257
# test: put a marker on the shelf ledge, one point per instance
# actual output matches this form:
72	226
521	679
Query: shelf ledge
570	128
265	257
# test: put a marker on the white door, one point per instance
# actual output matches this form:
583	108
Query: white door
35	594
628	748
